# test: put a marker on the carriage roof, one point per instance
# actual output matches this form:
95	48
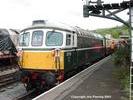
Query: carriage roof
4	32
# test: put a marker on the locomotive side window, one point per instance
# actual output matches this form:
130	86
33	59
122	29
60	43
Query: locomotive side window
73	40
101	42
37	38
54	38
79	41
24	39
68	39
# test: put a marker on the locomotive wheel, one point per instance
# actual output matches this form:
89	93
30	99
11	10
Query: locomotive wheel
29	87
49	78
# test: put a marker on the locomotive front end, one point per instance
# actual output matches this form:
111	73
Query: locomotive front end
41	57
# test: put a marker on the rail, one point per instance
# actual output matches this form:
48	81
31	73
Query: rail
8	77
25	96
6	56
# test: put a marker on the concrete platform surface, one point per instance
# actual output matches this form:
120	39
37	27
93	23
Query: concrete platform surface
99	86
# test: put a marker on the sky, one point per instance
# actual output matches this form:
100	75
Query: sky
18	14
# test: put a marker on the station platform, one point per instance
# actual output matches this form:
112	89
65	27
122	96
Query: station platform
98	84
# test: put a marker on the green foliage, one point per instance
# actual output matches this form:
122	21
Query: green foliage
122	57
115	32
125	85
122	70
125	82
120	73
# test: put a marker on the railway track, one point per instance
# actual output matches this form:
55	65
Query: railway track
27	96
8	77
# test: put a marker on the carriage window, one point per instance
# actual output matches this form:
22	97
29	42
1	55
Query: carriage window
68	39
54	38
24	39
37	38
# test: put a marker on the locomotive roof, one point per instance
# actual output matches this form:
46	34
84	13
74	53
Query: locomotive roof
60	26
50	25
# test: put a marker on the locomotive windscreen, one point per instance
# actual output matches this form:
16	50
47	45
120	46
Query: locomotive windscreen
6	43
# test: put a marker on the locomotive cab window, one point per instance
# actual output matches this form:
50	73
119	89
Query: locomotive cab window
37	38
54	38
68	39
24	39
